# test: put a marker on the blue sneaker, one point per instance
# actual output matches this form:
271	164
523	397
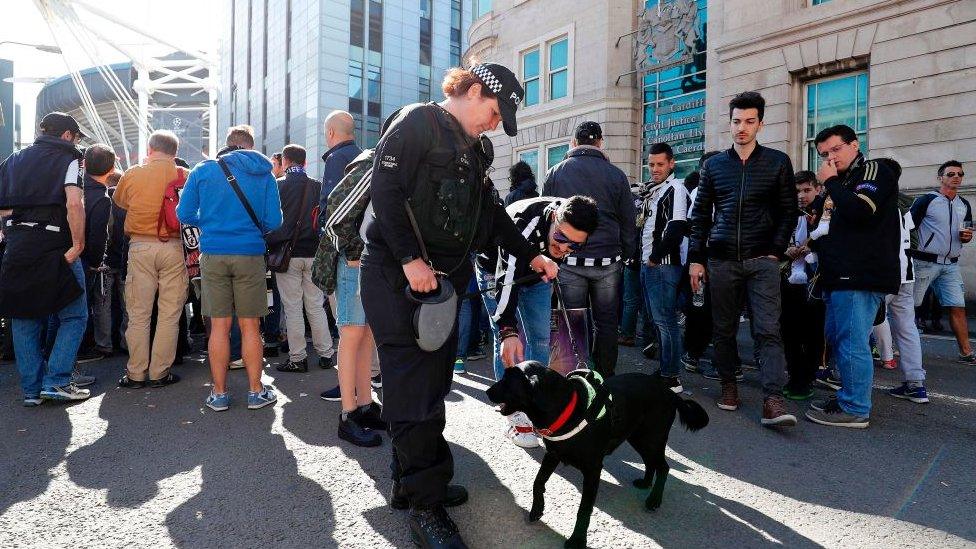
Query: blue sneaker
914	394
218	402
260	400
459	366
32	401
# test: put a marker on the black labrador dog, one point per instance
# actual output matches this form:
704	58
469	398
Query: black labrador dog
582	420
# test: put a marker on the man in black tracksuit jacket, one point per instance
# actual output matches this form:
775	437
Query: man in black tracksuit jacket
751	189
858	263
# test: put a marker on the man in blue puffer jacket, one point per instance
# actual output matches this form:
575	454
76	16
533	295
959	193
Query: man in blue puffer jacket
232	246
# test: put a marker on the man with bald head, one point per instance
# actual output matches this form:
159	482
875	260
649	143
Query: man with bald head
339	136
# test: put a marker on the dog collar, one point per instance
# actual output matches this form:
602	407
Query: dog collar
561	420
578	375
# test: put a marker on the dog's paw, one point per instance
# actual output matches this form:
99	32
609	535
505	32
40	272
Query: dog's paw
642	483
533	515
575	543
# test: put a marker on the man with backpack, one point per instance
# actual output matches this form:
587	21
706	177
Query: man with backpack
234	201
156	265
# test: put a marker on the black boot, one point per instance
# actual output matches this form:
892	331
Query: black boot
433	528
455	495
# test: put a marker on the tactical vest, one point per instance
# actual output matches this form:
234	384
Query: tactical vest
450	193
34	176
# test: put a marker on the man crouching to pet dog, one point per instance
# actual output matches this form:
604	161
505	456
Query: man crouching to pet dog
555	227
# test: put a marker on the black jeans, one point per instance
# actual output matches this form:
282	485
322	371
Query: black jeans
803	335
698	323
596	288
731	283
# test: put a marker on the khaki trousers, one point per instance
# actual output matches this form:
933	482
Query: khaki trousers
296	289
154	268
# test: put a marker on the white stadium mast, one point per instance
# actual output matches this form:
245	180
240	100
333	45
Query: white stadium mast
157	76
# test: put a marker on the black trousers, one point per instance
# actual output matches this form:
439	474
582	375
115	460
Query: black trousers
415	382
698	322
802	322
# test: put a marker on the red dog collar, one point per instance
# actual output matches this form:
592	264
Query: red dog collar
561	420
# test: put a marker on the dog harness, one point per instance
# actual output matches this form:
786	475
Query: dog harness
597	399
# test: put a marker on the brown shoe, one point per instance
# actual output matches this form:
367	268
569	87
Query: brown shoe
730	397
776	414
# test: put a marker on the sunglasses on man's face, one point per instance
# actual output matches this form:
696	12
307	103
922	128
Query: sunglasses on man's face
953	174
559	237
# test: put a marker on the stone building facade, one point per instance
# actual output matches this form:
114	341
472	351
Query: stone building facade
565	53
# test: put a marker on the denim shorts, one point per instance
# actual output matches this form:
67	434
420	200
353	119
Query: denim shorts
349	302
944	279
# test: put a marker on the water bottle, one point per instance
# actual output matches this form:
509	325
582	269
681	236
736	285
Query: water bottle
698	298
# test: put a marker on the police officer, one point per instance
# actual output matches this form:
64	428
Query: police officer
44	223
432	157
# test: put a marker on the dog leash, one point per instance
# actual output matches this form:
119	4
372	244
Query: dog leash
561	306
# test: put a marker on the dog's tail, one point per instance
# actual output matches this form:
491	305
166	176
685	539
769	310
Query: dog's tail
691	414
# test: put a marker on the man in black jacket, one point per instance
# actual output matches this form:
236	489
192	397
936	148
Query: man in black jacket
298	194
750	189
99	165
591	277
859	264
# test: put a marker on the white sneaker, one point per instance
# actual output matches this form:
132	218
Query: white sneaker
521	432
236	364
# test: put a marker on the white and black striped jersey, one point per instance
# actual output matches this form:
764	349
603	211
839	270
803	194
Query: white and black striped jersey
533	218
665	214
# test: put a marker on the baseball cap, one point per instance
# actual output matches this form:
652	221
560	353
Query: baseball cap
505	85
60	122
589	131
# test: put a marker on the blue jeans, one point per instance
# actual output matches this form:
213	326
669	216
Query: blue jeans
36	373
632	302
661	296
534	313
850	315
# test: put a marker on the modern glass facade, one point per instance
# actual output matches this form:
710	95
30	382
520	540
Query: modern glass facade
838	100
674	100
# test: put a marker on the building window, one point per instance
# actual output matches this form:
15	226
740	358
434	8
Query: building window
558	68
839	100
481	7
426	49
455	33
818	2
555	154
530	77
531	157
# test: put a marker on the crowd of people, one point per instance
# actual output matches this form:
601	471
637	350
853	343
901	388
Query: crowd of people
255	255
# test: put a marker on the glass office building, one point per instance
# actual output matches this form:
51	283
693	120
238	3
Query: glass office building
286	64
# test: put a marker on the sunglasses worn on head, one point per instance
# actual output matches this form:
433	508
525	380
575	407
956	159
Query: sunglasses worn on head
559	237
953	174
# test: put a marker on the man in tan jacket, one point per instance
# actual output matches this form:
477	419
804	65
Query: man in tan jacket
156	264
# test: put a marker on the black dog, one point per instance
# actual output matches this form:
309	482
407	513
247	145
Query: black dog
634	407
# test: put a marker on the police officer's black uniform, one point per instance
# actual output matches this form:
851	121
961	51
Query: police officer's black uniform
426	156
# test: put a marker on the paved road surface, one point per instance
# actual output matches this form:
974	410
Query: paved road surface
154	468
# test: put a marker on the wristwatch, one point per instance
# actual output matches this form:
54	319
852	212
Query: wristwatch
407	259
